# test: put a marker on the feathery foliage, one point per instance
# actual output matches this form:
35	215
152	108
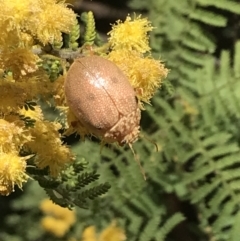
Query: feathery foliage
69	189
199	126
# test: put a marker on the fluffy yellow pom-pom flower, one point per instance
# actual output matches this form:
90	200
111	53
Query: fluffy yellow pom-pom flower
49	148
131	34
35	17
58	220
55	226
12	172
130	50
12	137
20	61
110	233
89	234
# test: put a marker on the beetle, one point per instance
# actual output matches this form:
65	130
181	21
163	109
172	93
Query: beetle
103	100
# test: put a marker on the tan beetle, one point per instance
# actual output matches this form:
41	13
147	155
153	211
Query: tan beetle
103	100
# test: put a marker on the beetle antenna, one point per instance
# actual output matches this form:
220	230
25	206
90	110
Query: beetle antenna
150	140
138	161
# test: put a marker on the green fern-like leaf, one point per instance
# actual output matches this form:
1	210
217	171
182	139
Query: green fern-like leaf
169	225
90	32
230	6
94	192
87	178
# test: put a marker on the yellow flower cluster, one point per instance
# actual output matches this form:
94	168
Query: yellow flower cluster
46	143
42	139
12	137
27	19
58	220
131	35
111	233
23	23
12	171
130	51
12	166
14	93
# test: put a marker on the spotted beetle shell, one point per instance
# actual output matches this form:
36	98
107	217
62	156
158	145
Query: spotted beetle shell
102	99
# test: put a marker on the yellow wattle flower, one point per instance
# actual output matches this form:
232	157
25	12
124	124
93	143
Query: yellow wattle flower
12	137
49	26
24	23
131	34
89	234
110	233
49	149
57	227
35	17
130	50
50	208
20	61
58	220
12	172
